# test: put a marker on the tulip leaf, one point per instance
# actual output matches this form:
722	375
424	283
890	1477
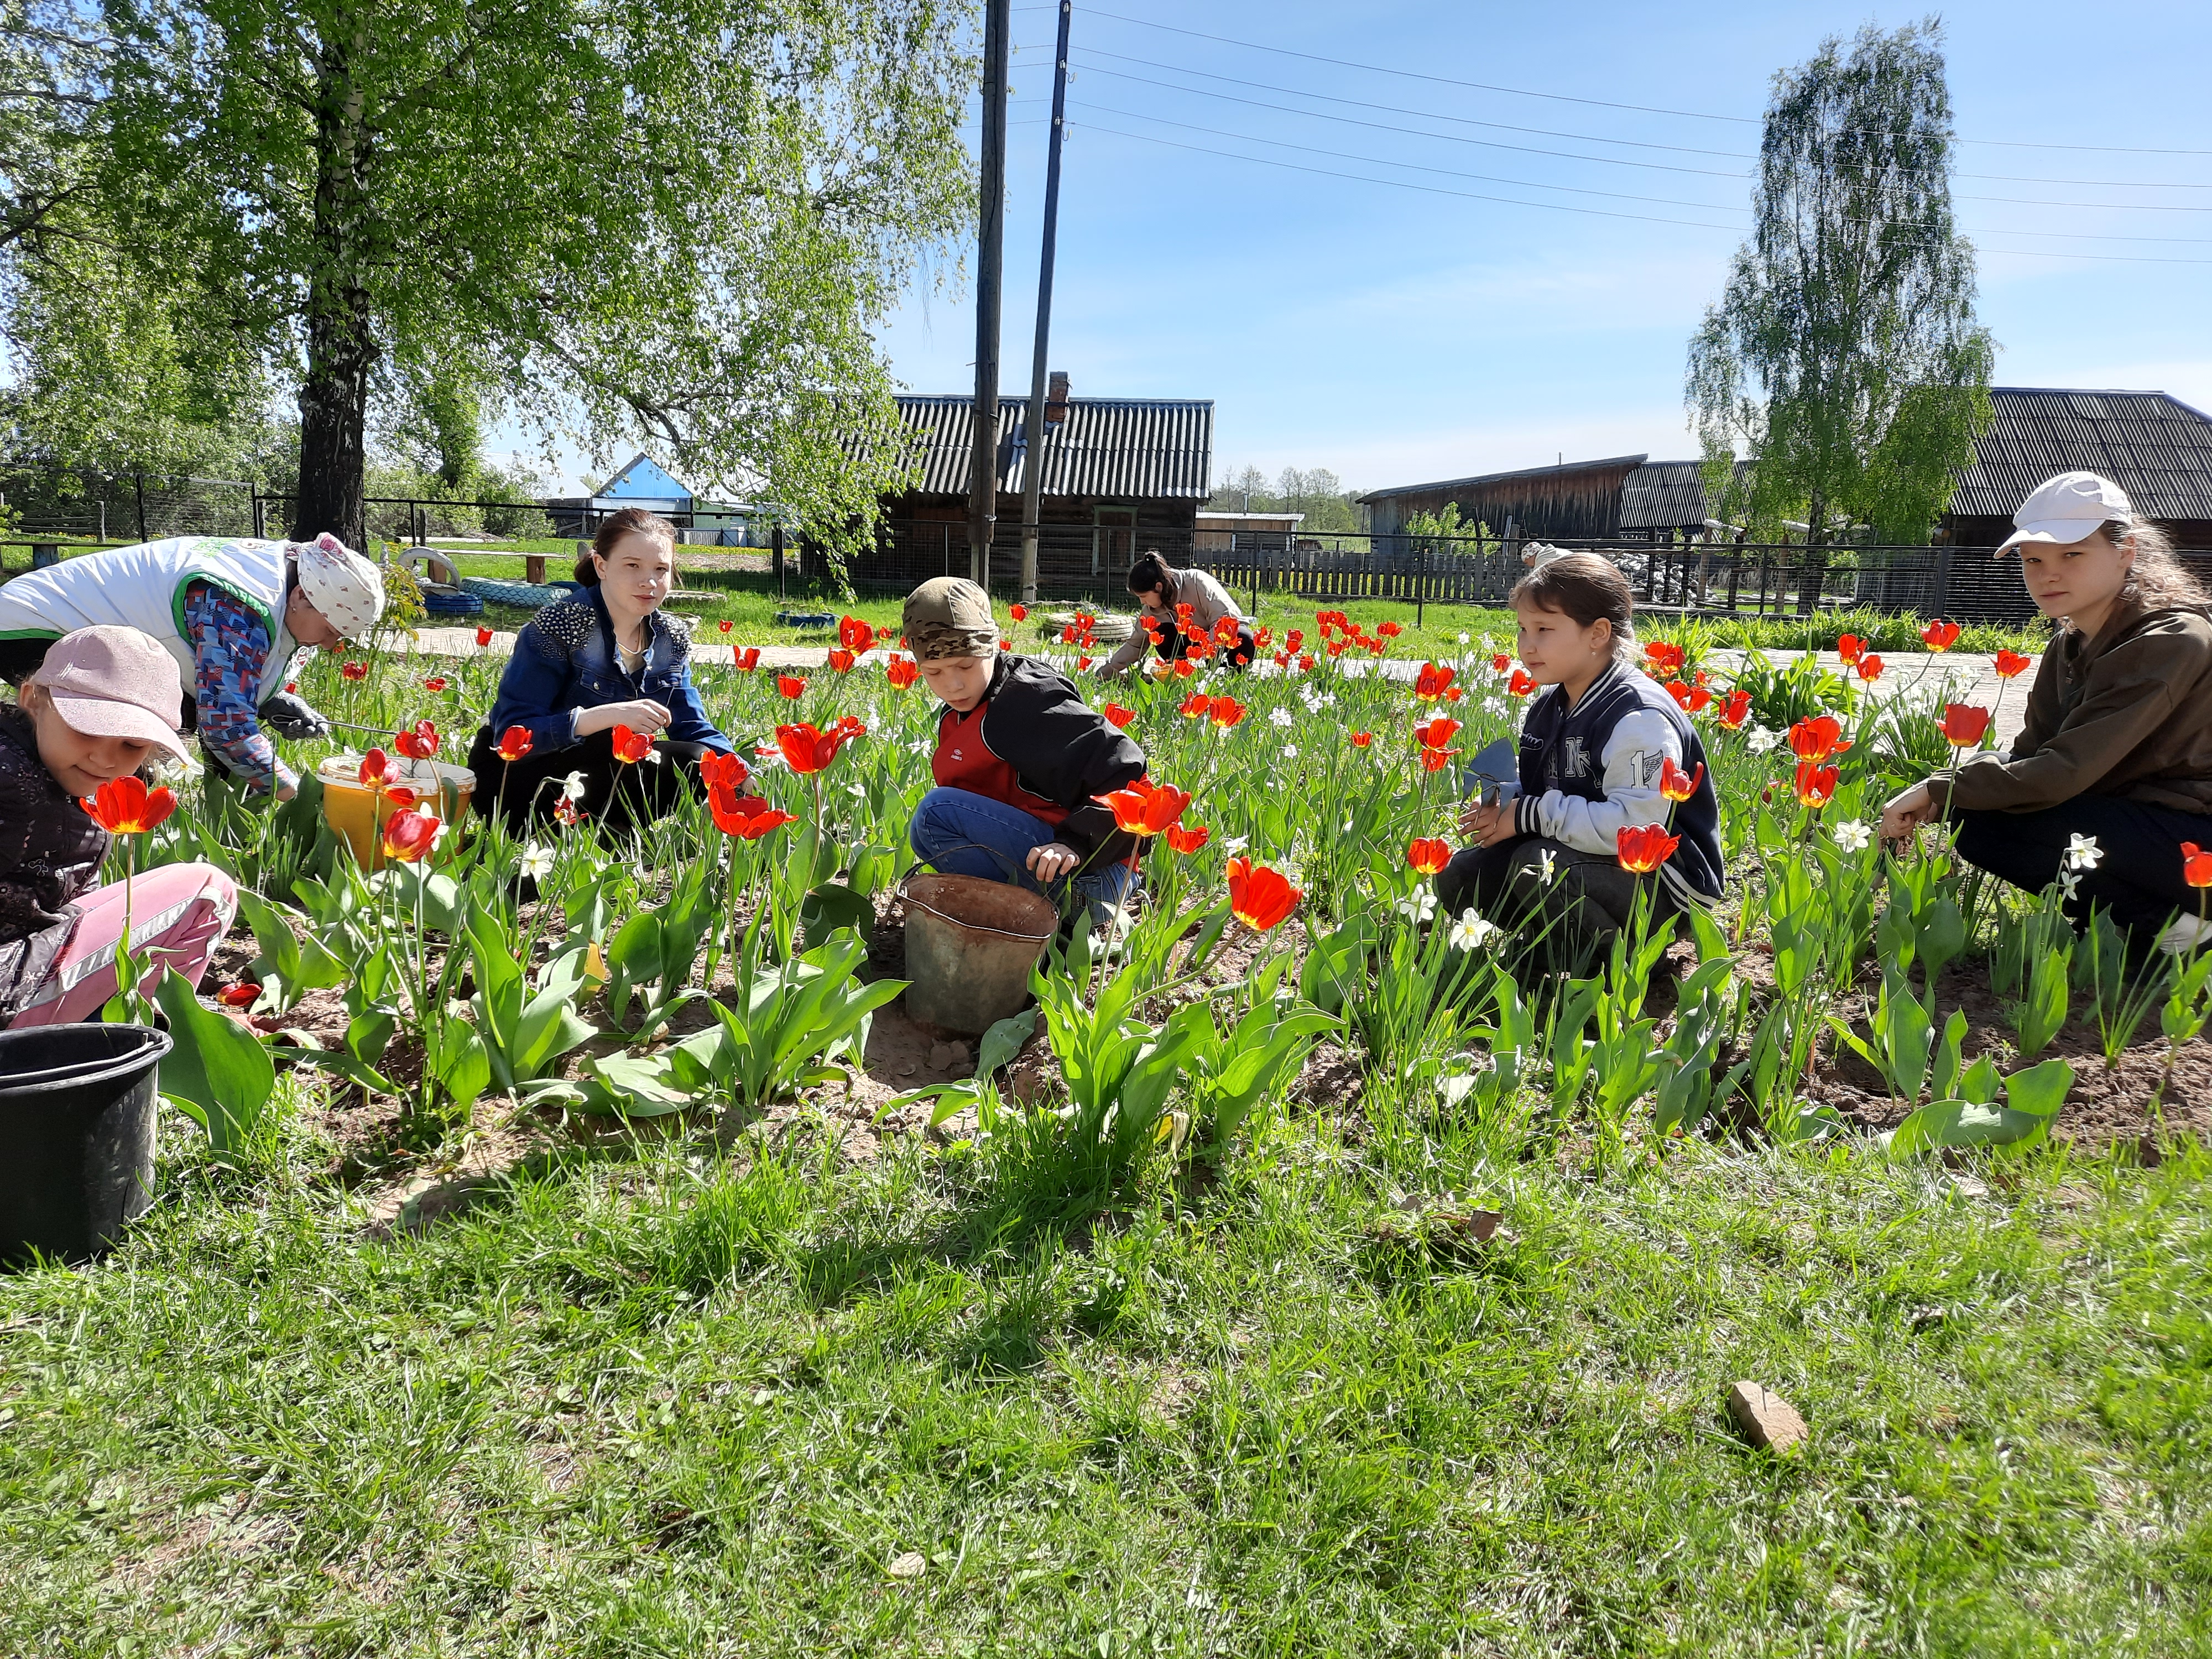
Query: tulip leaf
218	1073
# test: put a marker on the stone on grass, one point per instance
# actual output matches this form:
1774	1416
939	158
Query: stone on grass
1766	1419
908	1566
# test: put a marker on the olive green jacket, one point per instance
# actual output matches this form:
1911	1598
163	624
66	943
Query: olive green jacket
2126	713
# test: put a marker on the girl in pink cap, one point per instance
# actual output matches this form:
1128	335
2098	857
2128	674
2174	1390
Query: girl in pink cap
101	706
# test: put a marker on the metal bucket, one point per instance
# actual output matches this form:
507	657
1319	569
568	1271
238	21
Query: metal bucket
970	946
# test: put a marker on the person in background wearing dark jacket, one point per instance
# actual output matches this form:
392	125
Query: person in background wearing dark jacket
103	703
1020	759
2116	747
582	667
1593	749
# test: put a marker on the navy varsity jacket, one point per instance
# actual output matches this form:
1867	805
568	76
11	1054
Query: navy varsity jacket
1589	772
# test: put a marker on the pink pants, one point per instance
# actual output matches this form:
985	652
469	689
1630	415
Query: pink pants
178	914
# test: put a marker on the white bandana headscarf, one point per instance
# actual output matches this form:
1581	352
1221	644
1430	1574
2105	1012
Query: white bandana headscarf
341	583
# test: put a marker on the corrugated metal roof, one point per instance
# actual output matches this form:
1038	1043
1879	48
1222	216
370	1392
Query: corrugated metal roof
1480	479
1664	496
2154	446
1151	447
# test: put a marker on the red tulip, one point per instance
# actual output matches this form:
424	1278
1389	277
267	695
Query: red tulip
791	685
418	741
725	624
631	747
1116	716
2196	865
1305	662
1020	612
901	673
1428	854
1336	648
1433	681
1438	733
1736	708
1522	683
1434	760
1390	630
354	671
807	751
1145	808
241	995
1964	724
1361	739
410	834
2011	664
1294	639
746	816
1227	632
1227	711
841	661
1663	657
436	683
720	771
1940	635
564	811
378	769
1259	898
1185	669
1196	706
484	638
1870	668
513	743
746	660
1677	785
855	634
1645	848
1817	738
1083	664
125	806
1816	784
1501	662
1187	842
1851	647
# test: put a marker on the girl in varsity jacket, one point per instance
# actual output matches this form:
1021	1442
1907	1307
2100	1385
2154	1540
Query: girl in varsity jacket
1592	749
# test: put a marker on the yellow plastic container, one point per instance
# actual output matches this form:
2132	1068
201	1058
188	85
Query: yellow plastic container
359	813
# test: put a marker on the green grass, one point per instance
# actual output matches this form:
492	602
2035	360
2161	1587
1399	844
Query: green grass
675	1401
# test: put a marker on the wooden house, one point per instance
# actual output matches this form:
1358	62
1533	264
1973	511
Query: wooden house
2151	443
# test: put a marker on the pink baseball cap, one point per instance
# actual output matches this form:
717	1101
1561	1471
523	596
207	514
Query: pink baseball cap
114	682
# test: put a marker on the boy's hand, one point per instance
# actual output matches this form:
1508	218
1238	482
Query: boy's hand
1052	860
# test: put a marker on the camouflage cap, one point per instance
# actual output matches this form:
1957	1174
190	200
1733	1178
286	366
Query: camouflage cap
950	617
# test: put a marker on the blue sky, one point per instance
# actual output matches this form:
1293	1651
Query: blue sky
1394	335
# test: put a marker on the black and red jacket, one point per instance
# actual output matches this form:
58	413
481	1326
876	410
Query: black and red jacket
1033	743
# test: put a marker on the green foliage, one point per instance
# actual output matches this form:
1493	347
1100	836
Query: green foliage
1844	360
217	1073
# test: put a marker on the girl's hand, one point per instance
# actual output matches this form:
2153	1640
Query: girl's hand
1476	821
1502	828
1906	812
1053	860
642	714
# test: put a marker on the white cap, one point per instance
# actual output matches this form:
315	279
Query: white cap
2068	508
341	583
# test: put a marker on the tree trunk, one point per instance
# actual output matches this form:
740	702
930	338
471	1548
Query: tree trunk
1810	581
341	336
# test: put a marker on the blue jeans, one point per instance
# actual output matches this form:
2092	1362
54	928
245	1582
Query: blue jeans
958	818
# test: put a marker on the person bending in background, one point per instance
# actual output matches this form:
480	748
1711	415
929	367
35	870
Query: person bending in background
102	704
1163	591
1595	746
582	667
1020	759
2117	742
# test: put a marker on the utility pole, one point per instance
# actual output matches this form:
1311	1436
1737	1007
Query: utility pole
983	459
1033	448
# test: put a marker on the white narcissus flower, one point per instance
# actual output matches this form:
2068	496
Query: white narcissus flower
1281	717
2069	880
1468	932
1547	866
572	787
1235	844
1852	836
653	755
537	861
1290	751
1762	738
1419	907
1464	639
2082	853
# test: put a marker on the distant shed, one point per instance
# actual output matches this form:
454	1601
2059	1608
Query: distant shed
1580	499
2153	446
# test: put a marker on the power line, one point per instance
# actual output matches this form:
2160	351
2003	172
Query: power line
1600	213
1593	103
1604	161
1578	189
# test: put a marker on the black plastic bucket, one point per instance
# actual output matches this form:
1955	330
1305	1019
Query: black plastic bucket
77	1109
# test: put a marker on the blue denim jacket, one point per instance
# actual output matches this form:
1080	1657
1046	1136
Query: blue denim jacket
565	661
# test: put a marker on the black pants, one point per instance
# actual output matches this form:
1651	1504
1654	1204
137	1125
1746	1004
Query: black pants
616	795
2137	882
1175	648
21	658
1586	900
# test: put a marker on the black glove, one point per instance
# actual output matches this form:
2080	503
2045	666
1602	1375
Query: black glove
291	719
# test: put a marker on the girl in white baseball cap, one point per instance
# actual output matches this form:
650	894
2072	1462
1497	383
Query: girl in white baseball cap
2117	743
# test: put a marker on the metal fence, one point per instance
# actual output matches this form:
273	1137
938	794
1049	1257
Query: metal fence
1964	584
52	504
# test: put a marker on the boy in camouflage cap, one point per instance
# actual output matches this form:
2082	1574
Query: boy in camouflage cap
1020	759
